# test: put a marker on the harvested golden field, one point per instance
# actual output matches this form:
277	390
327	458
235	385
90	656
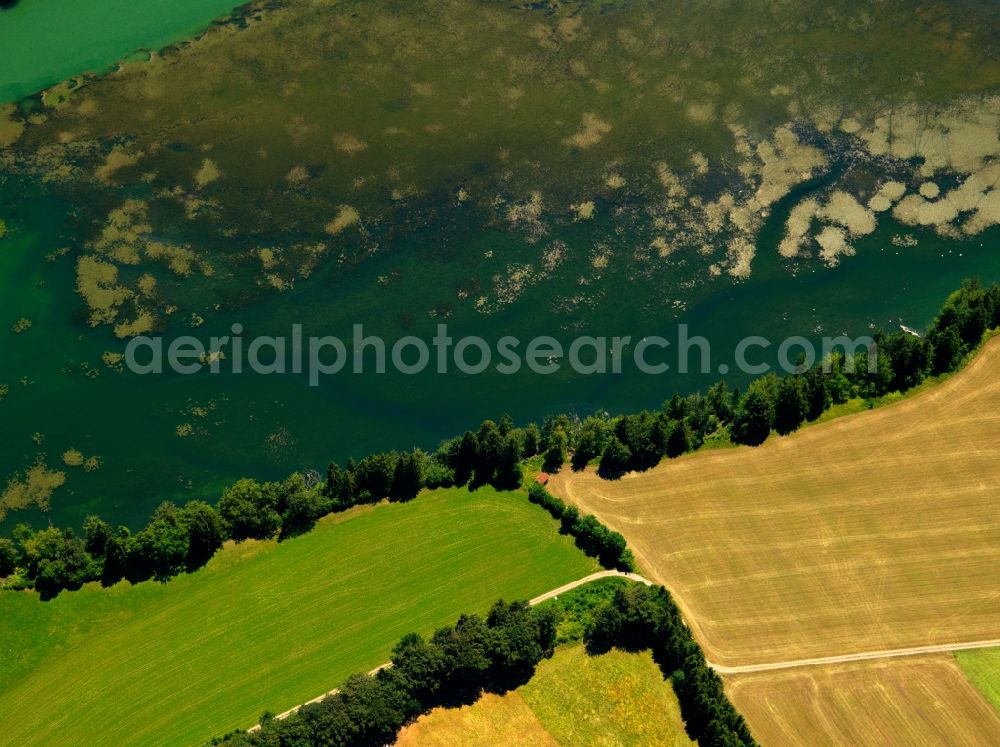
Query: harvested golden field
574	698
874	531
923	701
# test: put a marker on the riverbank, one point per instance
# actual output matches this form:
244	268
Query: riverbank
91	37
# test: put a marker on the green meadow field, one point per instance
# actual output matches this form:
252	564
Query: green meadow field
982	667
266	625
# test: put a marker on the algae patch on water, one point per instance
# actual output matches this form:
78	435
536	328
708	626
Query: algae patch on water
34	487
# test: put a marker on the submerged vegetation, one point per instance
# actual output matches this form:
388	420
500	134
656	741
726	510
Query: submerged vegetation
34	487
684	129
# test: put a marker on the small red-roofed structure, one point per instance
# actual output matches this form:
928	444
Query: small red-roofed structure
543	478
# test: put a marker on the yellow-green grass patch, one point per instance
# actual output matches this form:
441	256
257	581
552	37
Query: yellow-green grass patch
614	698
574	698
982	667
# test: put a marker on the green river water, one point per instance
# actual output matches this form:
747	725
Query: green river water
267	426
177	437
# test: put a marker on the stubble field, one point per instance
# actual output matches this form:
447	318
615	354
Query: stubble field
875	531
921	700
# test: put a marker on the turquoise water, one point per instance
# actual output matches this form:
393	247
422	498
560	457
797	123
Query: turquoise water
46	41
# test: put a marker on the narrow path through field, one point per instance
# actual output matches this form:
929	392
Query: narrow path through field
863	656
586	580
790	664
